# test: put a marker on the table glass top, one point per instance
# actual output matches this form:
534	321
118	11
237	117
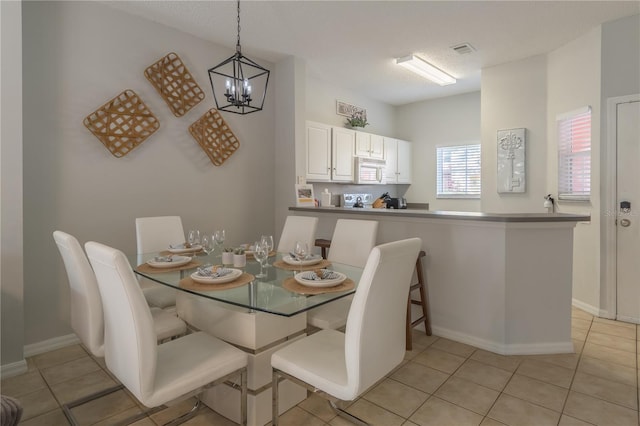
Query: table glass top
262	294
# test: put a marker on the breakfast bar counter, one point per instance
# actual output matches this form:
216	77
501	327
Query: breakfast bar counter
500	282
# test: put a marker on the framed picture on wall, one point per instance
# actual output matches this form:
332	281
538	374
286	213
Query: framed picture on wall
304	196
348	110
511	161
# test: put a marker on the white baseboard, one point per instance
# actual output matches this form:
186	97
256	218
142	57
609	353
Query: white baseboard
13	369
505	349
624	318
593	310
50	345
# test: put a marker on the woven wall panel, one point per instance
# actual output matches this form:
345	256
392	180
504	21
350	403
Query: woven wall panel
176	85
123	123
214	136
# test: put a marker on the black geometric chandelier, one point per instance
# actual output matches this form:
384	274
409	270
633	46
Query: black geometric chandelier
238	82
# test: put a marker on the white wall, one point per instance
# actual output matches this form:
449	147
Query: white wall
320	103
454	120
321	107
77	56
574	78
514	96
290	121
11	244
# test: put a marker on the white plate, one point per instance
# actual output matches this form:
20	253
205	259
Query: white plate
320	283
182	249
312	260
235	273
175	261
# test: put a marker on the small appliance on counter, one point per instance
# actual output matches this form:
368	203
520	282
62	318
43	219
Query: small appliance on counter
357	200
396	203
381	203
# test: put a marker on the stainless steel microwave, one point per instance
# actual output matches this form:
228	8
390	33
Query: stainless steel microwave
370	171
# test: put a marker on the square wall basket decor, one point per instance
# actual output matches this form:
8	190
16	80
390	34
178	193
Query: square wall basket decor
214	137
511	161
175	84
123	123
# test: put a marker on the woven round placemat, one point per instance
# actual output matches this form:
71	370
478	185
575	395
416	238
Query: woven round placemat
190	284
148	269
284	265
292	285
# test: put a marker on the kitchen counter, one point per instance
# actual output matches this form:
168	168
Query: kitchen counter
498	281
452	215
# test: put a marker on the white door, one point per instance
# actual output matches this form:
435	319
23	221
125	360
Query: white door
628	220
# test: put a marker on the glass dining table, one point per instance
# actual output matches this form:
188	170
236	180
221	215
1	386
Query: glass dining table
261	294
258	317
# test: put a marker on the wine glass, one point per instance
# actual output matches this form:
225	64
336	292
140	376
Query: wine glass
260	253
208	243
268	241
193	237
219	236
301	250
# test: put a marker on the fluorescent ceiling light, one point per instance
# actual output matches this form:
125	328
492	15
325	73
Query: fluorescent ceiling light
425	69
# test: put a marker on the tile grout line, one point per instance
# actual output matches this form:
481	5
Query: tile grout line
564	405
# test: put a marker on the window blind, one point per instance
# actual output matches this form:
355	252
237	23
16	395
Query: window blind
574	155
458	172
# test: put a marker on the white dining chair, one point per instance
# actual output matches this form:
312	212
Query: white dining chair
156	374
345	365
297	228
87	319
351	243
154	234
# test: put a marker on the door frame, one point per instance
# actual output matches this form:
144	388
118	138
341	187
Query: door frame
610	208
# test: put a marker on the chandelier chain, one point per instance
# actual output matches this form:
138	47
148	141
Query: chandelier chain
238	42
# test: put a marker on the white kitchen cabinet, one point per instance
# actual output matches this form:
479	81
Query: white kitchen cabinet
391	157
329	155
318	146
398	156
369	145
404	162
343	147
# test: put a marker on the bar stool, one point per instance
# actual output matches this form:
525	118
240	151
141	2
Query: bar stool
423	302
324	245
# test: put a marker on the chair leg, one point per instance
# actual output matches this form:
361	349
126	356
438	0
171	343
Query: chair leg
274	393
346	415
66	408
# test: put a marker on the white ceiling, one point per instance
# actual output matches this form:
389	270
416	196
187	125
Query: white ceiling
352	44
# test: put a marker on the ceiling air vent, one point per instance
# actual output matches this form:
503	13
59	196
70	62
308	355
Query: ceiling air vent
463	48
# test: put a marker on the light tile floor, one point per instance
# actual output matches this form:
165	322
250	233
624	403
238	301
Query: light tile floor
441	382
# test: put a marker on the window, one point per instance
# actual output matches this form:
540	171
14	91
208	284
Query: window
574	155
458	171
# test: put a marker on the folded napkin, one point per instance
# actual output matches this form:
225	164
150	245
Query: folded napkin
208	272
177	246
163	259
325	274
300	258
